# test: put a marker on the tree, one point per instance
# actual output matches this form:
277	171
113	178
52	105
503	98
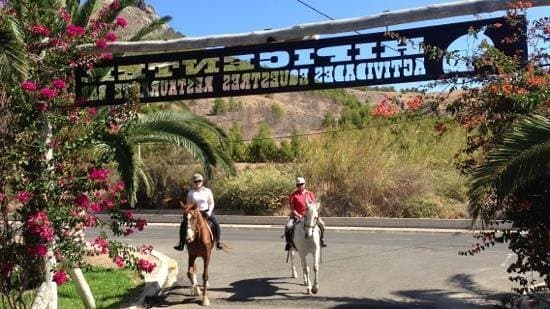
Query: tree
262	148
237	145
51	180
507	150
180	129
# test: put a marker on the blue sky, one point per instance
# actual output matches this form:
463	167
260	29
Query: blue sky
209	17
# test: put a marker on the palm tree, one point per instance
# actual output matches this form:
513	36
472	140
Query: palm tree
14	66
180	129
520	159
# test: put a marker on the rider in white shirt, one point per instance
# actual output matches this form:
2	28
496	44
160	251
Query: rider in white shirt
204	199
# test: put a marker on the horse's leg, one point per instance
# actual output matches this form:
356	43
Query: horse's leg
206	259
292	265
316	259
191	274
305	270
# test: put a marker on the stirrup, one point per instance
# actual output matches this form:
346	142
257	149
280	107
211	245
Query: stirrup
178	247
323	244
219	246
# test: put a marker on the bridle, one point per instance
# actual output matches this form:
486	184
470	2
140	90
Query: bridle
198	226
315	220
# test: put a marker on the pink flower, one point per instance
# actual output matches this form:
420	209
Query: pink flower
115	5
146	266
145	249
98	174
59	83
64	15
140	224
92	111
74	30
60	277
6	268
82	200
112	128
111	37
41	250
119	261
39	224
24	196
95	207
107	56
102	244
42	106
101	43
28	85
40	30
120	21
48	93
129	215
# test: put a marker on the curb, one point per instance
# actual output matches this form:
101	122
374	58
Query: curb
164	277
166	216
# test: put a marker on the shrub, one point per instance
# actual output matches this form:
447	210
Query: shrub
261	191
277	111
219	107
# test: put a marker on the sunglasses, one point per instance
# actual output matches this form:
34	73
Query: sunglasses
300	184
197	181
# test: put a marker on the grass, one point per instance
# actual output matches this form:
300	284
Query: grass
110	287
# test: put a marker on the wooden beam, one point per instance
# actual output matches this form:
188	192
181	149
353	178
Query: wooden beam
435	11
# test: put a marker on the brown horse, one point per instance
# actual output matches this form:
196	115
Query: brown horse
199	244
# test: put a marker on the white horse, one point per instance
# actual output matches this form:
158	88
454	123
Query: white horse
307	240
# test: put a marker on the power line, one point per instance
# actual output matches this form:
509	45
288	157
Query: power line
337	130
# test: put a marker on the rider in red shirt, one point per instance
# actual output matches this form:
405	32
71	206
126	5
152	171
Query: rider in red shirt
298	204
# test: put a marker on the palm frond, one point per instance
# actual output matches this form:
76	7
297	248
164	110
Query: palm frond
13	55
154	25
72	6
84	11
123	154
520	158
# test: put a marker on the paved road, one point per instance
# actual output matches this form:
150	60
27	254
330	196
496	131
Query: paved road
373	269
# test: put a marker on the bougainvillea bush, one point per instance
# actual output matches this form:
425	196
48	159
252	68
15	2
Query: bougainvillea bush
54	177
507	115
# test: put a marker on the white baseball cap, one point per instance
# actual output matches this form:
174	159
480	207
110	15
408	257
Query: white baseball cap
300	180
197	177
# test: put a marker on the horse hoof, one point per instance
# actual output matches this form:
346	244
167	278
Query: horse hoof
206	302
308	292
294	275
314	290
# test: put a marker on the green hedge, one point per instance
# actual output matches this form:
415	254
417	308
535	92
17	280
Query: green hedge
260	191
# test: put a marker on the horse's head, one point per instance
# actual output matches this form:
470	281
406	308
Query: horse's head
311	217
192	216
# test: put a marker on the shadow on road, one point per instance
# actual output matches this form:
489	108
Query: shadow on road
272	291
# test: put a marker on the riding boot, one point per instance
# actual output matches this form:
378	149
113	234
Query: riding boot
217	231
322	229
288	246
181	243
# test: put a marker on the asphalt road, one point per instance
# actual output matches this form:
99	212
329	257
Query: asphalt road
360	269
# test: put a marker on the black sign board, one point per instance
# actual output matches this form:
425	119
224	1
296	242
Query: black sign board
348	61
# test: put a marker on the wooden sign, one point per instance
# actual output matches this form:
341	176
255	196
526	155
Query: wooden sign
339	62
